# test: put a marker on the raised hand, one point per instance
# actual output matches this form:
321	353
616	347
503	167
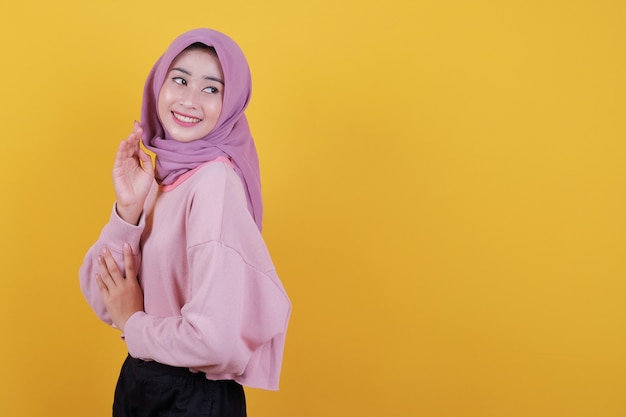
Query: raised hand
133	175
122	294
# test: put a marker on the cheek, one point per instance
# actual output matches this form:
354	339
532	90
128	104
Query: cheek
163	103
215	108
211	115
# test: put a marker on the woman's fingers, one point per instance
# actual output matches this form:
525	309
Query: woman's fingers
122	297
103	288
104	275
146	162
109	271
110	274
137	129
129	261
129	147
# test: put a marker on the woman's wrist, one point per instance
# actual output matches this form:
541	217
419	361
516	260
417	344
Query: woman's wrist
128	214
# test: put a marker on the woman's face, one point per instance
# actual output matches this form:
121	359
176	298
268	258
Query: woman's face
190	100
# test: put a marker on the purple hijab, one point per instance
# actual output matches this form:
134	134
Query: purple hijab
231	135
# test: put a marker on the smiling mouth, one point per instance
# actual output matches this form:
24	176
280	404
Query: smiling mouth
186	119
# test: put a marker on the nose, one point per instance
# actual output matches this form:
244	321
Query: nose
188	98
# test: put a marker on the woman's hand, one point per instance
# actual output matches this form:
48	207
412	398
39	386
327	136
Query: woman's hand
122	294
132	176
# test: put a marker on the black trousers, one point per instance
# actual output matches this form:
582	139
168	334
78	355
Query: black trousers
151	389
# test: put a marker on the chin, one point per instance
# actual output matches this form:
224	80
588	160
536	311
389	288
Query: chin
182	136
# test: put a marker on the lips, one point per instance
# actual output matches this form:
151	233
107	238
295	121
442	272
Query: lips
185	120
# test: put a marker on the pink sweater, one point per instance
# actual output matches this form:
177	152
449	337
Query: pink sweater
212	299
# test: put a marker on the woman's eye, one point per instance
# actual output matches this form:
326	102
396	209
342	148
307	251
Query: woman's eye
211	90
179	80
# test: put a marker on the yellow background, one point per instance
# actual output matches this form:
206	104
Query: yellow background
444	186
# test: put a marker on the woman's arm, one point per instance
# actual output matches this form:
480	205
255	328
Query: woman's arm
235	310
133	178
114	235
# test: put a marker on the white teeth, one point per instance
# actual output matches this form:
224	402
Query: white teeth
186	119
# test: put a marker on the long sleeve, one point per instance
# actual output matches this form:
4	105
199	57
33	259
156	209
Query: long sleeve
113	236
233	322
213	301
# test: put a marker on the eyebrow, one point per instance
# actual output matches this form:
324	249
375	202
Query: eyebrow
206	77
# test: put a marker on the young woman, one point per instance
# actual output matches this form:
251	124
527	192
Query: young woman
181	267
